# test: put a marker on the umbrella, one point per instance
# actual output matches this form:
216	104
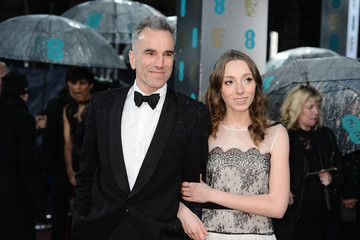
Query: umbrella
113	19
338	81
56	40
290	55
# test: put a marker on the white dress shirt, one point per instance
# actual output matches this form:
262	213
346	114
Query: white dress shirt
138	125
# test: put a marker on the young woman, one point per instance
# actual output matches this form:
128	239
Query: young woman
247	178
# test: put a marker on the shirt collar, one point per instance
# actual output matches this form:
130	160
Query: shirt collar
162	91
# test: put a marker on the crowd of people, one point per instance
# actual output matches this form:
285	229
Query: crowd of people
147	162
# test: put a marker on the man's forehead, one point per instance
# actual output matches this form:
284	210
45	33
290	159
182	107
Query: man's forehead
151	42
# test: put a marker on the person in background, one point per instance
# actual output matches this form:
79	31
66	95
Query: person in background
80	83
3	71
313	207
20	192
350	207
247	174
53	153
141	142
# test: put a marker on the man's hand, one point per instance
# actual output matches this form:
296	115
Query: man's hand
191	224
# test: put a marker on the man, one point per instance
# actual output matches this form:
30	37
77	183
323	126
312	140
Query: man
20	192
137	154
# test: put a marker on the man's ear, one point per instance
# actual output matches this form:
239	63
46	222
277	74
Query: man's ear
132	59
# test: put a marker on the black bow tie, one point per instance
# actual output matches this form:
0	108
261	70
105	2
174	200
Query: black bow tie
152	99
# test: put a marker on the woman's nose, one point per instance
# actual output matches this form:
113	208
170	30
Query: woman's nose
239	88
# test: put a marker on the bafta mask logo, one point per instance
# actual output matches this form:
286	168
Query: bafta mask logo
335	21
251	6
218	34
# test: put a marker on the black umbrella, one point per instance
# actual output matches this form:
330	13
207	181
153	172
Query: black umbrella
338	81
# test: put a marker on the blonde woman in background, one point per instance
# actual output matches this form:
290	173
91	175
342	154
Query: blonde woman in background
312	208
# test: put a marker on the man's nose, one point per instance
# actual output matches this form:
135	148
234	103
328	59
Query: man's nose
159	61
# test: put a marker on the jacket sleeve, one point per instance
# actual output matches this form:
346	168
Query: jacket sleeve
88	164
196	155
26	162
334	159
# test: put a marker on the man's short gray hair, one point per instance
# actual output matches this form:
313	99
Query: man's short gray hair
155	23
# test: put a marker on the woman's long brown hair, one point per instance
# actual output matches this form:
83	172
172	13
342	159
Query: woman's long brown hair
257	109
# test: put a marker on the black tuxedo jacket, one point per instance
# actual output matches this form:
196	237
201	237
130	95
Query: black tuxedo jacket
105	208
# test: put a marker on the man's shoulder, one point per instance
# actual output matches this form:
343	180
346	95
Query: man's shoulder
188	102
108	96
16	116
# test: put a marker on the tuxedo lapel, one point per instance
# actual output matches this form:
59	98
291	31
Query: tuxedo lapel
115	148
158	142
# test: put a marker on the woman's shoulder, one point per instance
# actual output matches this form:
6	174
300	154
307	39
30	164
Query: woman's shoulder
325	129
276	133
274	127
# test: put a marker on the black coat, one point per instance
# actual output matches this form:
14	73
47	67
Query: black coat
351	188
105	208
309	217
20	193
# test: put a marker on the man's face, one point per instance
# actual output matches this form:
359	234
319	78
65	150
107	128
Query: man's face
152	58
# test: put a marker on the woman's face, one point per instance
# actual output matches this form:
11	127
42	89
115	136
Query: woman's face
238	87
309	114
80	90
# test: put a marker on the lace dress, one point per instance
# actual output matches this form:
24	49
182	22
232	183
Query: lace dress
237	165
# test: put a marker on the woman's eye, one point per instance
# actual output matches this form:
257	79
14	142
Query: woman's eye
248	79
228	82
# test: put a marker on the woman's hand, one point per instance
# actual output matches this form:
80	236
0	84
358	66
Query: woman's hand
350	203
191	224
325	178
195	192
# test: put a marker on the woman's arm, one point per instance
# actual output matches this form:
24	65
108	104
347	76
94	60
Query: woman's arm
68	149
273	204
